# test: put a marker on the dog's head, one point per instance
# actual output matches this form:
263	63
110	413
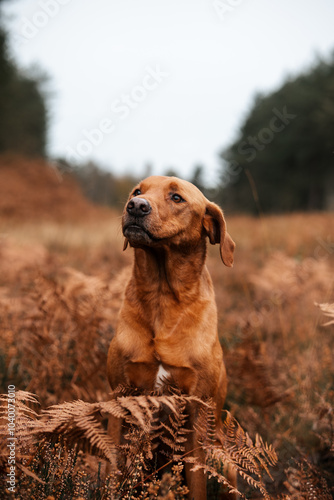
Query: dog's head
170	211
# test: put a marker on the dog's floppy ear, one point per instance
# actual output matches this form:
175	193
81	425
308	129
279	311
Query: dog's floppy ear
126	242
215	227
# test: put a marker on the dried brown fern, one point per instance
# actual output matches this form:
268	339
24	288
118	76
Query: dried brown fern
55	330
24	415
18	412
259	375
62	334
80	425
232	448
328	310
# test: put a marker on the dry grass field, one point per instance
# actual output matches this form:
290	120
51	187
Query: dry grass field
60	288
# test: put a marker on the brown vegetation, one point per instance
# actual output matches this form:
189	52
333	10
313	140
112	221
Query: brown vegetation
37	189
61	284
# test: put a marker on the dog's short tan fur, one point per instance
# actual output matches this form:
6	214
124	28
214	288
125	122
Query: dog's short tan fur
168	319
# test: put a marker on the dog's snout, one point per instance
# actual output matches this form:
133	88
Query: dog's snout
139	207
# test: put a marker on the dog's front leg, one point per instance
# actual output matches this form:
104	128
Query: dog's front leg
115	432
196	480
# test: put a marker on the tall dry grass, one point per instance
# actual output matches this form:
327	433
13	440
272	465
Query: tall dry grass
61	286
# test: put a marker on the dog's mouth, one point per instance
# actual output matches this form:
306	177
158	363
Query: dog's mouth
138	235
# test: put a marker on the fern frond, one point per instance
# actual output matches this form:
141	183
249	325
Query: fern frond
213	472
205	425
139	410
328	310
24	414
79	423
236	450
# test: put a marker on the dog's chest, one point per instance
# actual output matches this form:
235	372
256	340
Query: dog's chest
157	363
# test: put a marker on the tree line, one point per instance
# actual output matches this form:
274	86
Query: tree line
23	105
281	159
283	156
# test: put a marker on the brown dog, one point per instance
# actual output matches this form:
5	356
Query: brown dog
167	326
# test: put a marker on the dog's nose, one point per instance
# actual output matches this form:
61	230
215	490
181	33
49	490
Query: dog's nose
138	207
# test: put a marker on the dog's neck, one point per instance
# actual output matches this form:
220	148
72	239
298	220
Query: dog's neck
173	271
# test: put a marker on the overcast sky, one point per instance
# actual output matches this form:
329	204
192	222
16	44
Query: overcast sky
165	82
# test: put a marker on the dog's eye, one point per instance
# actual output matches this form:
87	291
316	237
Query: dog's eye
177	198
136	192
